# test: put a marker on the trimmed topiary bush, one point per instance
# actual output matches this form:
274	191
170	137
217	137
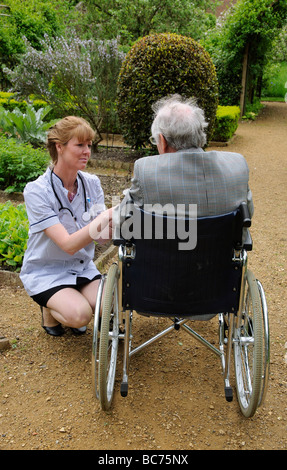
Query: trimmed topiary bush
227	118
159	65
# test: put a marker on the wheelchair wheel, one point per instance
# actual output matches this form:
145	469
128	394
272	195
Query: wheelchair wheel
248	349
266	350
95	360
109	339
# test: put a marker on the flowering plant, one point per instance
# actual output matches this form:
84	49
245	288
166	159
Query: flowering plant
75	76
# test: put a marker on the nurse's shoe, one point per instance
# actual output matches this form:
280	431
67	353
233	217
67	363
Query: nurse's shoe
54	330
57	330
79	331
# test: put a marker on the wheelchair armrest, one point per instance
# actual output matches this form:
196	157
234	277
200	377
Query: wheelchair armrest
242	222
118	241
247	242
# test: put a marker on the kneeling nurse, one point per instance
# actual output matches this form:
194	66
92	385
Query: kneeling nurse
66	213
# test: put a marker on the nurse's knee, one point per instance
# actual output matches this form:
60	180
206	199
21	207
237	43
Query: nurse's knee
82	317
79	315
70	308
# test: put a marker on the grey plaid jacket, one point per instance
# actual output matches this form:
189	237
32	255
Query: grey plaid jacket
216	181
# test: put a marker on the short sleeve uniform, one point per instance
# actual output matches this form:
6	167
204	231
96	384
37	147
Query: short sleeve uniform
45	265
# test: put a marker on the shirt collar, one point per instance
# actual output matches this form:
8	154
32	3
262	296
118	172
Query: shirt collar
192	149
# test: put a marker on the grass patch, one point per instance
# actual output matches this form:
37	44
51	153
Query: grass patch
275	79
277	99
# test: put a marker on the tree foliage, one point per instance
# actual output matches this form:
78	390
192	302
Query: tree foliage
134	19
32	19
249	22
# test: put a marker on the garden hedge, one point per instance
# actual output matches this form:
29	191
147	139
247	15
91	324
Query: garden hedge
227	118
160	65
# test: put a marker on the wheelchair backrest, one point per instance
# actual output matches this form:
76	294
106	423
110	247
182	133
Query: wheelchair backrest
175	277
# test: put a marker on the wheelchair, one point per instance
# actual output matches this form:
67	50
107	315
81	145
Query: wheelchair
157	276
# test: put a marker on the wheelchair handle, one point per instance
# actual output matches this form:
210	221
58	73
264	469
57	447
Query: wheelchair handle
245	216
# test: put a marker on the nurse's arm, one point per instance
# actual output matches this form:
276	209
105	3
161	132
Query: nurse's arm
100	230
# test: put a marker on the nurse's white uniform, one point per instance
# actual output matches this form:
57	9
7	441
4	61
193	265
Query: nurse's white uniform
45	265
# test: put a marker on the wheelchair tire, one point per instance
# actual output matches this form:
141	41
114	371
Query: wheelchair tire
97	319
109	339
266	350
248	349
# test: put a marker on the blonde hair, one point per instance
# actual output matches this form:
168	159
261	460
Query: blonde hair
64	130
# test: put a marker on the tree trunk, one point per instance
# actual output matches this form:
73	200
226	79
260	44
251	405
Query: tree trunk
244	80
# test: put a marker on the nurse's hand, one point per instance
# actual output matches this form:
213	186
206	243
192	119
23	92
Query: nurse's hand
101	228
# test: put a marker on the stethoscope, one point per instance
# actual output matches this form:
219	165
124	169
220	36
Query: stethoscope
86	216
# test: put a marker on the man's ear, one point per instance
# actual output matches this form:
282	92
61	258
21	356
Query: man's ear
163	146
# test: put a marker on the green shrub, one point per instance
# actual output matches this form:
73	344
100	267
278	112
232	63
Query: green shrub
159	65
6	94
14	228
252	110
19	164
226	123
9	102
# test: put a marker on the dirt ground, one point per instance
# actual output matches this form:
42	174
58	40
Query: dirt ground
176	394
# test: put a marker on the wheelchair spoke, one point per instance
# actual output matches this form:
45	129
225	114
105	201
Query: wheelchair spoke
247	370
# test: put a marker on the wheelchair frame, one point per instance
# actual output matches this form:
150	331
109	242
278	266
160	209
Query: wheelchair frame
246	332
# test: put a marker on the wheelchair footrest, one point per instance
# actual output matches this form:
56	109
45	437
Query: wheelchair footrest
124	389
228	393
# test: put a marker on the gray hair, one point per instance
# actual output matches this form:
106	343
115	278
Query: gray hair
180	121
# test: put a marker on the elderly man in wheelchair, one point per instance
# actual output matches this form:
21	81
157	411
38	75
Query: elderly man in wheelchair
183	237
